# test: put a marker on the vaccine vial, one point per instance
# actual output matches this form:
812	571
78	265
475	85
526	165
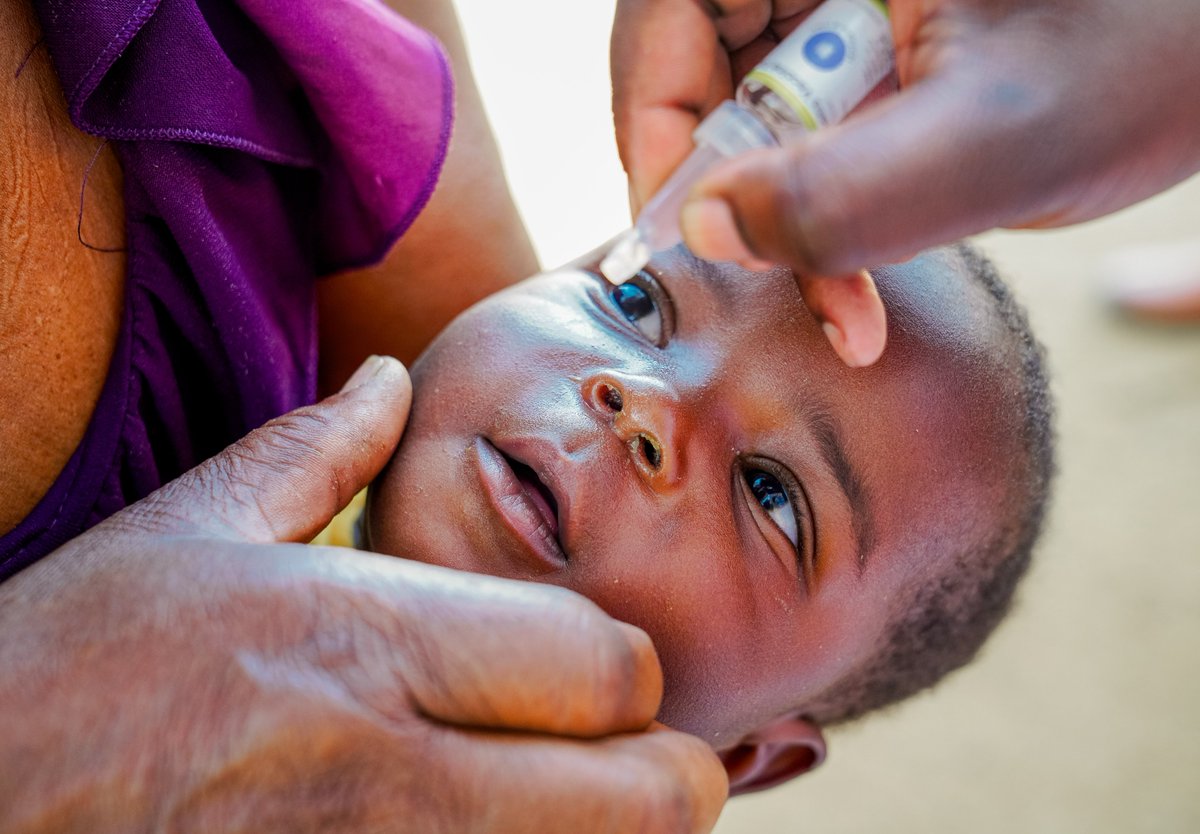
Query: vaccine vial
814	77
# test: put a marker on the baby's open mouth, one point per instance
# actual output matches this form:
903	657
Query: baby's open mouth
522	501
539	494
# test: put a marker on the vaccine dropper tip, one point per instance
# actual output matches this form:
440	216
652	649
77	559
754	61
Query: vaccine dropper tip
628	255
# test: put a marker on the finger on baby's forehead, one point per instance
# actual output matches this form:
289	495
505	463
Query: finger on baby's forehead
286	480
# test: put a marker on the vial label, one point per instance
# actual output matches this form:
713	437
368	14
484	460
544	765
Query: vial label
830	62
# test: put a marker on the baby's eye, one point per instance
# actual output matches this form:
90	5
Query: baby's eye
773	497
642	302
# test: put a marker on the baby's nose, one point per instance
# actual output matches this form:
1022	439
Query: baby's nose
644	413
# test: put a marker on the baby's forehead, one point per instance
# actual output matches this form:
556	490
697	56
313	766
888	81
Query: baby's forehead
935	295
730	285
938	309
938	299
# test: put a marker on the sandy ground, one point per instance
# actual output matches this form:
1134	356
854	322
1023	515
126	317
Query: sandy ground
1081	715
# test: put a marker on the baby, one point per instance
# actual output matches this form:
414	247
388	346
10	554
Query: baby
802	541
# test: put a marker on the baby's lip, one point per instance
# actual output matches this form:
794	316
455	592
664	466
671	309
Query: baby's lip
524	496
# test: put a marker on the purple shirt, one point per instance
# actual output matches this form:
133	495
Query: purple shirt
264	143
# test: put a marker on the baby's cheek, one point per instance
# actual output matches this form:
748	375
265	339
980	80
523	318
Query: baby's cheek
398	520
688	605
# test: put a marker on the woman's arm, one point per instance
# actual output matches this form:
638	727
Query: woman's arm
60	302
467	243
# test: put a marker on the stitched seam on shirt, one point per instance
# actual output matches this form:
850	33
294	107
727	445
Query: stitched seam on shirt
108	56
205	137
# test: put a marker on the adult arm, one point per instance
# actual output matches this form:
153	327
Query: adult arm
178	668
468	241
1018	113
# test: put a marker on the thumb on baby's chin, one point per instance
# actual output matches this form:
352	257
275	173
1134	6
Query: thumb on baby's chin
286	480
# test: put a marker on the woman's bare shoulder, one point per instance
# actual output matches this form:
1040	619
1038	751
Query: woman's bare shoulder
60	302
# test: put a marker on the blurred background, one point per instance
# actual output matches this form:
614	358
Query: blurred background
1083	713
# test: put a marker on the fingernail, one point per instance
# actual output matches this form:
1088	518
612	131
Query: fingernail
857	351
837	339
366	371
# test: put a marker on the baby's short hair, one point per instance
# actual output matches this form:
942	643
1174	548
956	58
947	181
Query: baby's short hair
941	625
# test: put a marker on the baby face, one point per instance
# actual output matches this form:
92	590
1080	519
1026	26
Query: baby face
686	451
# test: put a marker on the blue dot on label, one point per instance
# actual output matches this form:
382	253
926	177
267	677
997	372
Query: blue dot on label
825	50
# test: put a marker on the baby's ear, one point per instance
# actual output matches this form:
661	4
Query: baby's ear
774	753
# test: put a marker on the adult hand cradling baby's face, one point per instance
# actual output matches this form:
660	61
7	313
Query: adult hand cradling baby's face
178	668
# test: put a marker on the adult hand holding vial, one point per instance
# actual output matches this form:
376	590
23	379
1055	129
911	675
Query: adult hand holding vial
1018	113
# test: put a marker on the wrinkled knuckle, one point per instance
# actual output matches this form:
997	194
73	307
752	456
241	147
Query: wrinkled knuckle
231	481
295	434
164	512
295	443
